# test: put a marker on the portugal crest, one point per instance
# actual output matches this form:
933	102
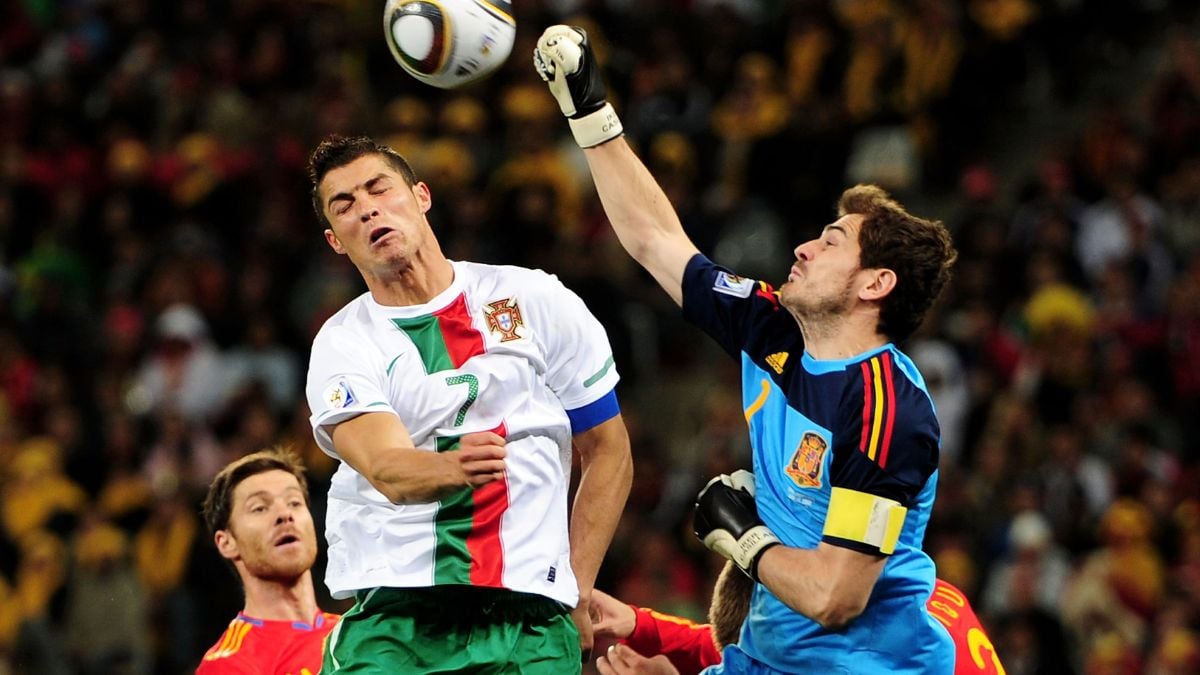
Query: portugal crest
808	462
504	317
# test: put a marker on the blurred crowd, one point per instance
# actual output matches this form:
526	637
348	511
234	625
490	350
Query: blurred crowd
162	275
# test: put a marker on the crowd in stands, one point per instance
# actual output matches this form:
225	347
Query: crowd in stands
162	276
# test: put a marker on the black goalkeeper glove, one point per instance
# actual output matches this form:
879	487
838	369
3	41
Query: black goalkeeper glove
727	521
564	59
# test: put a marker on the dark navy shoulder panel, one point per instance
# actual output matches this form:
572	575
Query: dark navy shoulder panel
887	435
742	315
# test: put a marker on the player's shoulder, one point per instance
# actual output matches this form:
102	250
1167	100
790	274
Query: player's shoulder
892	370
490	273
886	384
349	318
354	313
232	652
539	290
230	665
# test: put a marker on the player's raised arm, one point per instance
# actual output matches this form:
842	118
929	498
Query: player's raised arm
640	213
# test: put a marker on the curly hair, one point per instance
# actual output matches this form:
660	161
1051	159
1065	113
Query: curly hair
919	251
336	151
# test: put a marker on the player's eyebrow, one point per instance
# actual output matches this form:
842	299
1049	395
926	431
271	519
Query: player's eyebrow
835	228
349	196
265	494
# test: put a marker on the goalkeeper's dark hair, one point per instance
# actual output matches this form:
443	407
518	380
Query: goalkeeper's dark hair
337	151
919	251
218	503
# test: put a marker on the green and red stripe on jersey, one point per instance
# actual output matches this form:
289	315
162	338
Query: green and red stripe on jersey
467	527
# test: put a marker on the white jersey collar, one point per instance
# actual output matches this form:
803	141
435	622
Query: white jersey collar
437	303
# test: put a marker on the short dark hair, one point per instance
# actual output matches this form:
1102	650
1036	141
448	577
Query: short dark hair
919	251
337	151
730	605
218	503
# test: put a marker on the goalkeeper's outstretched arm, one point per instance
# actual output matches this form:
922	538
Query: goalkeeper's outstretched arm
641	215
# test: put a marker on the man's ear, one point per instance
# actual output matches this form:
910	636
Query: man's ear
424	198
226	545
880	283
334	242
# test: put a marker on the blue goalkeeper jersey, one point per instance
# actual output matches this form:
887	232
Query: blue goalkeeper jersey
864	424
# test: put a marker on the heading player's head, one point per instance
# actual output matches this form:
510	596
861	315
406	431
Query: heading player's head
371	203
336	151
730	605
875	257
257	512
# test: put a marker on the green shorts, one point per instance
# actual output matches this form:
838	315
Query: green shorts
453	629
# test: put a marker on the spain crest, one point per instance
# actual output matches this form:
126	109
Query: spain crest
809	461
504	317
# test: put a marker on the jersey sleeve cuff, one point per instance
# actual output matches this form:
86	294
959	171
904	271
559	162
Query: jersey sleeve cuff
323	424
594	413
645	638
693	274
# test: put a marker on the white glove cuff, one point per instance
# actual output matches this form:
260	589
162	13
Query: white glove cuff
597	127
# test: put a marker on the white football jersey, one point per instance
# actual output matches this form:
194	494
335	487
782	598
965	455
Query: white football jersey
503	349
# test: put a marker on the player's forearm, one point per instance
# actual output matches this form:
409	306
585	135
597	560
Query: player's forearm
642	217
411	476
826	584
689	646
378	447
604	486
635	204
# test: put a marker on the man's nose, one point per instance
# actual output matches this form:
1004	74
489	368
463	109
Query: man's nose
367	208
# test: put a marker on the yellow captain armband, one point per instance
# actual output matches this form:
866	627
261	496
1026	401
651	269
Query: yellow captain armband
865	519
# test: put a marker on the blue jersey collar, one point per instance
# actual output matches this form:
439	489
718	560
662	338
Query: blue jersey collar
821	366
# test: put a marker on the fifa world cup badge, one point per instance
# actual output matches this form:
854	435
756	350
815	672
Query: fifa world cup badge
339	395
504	317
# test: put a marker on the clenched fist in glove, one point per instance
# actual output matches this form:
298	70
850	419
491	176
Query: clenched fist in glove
727	521
564	59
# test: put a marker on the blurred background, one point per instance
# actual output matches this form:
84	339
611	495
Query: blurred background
162	276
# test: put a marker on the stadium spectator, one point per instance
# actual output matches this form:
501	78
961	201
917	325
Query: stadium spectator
107	608
186	372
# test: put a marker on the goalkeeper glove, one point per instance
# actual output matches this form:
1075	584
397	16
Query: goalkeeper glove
564	59
727	521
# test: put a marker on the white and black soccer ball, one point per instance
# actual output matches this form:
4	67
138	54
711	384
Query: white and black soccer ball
449	43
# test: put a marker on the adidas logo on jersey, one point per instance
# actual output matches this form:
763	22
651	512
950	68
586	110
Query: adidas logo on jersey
776	361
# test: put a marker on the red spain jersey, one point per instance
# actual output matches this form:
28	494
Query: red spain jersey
255	646
973	650
690	647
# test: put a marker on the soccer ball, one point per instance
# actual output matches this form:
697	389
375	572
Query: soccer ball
449	43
